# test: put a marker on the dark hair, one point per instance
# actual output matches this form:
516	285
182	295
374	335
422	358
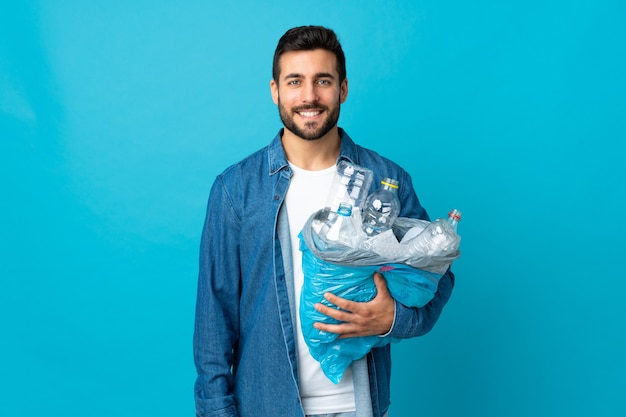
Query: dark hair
308	38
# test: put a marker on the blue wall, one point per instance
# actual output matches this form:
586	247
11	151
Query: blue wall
116	116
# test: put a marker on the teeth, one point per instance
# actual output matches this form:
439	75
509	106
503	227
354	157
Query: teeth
309	113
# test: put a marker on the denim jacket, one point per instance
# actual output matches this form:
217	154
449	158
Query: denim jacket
244	336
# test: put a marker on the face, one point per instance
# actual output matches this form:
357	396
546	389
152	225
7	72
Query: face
308	92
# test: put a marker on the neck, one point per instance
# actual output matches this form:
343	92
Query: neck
312	155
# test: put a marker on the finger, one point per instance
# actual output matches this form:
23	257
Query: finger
342	330
339	315
331	328
380	281
381	284
342	303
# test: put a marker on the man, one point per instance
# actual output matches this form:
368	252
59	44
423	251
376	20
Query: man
249	352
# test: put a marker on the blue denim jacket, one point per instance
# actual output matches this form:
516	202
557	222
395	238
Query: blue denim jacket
244	339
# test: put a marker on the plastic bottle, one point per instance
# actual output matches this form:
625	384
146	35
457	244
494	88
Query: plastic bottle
350	185
382	207
342	228
439	237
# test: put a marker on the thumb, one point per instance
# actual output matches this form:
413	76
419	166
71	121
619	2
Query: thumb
380	282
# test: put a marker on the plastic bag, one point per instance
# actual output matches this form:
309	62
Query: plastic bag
348	273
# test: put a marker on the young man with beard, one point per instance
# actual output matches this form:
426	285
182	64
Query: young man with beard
250	355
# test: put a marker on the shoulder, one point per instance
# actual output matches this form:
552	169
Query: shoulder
383	167
261	163
251	164
239	185
370	157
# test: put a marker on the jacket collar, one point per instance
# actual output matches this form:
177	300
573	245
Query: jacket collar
278	160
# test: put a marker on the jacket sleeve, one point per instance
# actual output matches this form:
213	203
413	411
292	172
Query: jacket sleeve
412	322
216	331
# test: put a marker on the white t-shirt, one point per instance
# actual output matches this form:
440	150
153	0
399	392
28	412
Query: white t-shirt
307	193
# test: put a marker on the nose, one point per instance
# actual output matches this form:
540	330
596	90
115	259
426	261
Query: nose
308	93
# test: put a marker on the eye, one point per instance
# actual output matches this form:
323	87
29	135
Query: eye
293	82
323	82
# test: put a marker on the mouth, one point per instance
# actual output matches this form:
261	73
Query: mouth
309	113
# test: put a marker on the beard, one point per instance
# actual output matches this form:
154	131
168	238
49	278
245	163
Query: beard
311	130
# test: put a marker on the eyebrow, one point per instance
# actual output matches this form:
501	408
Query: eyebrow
318	75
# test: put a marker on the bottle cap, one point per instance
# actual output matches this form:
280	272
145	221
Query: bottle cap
455	214
344	209
389	182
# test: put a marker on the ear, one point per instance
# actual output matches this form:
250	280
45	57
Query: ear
343	94
274	91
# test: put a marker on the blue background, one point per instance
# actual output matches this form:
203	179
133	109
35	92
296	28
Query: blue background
116	116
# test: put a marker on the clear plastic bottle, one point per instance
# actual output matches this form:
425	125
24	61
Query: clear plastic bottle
439	237
382	207
342	228
350	185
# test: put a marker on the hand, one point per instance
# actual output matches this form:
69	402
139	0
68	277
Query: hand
374	317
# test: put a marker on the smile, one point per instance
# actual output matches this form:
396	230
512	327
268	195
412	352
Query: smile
310	113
